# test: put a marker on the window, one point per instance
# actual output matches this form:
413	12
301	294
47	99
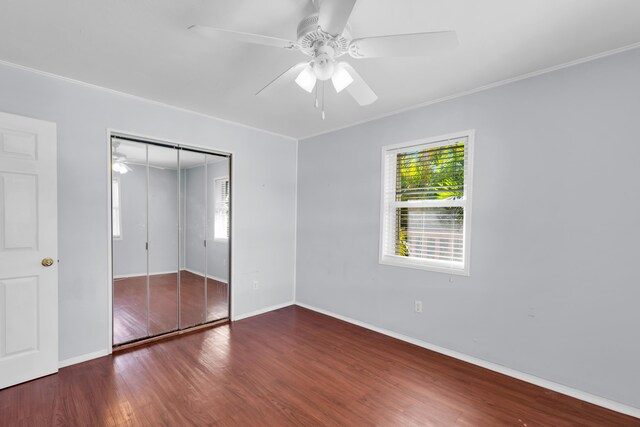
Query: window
115	209
221	198
426	204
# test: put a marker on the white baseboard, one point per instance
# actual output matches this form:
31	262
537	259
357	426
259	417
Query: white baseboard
83	358
126	276
262	311
105	352
541	382
209	276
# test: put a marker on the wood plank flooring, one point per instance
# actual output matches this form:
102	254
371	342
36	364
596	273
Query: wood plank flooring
130	304
289	367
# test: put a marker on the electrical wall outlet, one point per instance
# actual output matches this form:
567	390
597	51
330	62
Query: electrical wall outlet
418	306
255	285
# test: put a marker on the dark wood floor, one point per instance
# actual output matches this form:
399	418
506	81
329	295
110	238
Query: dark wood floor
130	304
289	367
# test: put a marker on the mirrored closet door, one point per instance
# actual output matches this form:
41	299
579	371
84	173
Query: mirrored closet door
163	231
171	234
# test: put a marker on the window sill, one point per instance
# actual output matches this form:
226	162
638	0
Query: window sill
435	266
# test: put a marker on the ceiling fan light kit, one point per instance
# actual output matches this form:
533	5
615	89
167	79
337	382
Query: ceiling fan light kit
341	77
325	36
118	160
120	168
307	78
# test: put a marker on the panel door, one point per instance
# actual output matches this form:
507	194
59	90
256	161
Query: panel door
28	250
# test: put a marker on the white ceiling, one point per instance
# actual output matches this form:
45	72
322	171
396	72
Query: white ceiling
142	47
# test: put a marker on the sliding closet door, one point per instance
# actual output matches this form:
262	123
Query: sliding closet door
163	239
171	233
218	230
192	277
129	229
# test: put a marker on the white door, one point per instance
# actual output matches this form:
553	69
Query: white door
28	242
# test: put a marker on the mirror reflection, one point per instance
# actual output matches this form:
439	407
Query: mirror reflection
218	211
192	281
171	233
129	227
163	239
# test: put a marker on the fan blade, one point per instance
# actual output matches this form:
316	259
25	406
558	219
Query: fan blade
334	14
360	91
419	44
243	37
282	80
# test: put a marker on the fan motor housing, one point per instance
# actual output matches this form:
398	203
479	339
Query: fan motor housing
310	35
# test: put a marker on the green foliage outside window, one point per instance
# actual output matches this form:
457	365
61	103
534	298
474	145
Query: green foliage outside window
431	174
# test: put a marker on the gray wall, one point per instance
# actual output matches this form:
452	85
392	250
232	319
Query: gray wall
217	257
163	220
264	182
217	250
129	254
194	220
554	288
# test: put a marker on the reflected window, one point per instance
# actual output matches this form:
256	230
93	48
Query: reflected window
115	206
221	198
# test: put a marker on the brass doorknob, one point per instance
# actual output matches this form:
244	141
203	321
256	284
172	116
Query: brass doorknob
47	262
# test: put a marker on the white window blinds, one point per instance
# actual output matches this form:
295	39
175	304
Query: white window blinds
221	197
426	204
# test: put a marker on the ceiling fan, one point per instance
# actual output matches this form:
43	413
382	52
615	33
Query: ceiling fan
325	36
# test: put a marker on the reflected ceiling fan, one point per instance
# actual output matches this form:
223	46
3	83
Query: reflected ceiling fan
325	36
119	160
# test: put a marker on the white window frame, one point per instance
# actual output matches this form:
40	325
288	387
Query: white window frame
116	211
427	264
216	202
